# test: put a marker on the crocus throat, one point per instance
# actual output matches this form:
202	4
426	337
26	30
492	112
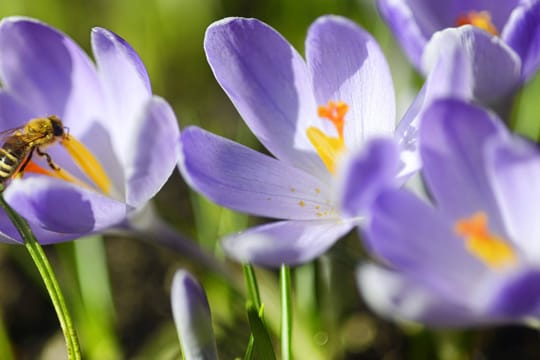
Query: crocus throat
86	162
483	244
329	148
480	19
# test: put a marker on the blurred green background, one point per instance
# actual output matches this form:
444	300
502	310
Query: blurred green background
118	287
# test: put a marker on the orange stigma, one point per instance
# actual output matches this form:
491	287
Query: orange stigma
484	245
329	148
480	19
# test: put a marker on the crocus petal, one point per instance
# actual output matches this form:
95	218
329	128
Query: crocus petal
453	135
419	241
45	70
154	152
410	33
242	179
58	206
267	81
126	87
368	172
347	65
518	297
192	318
395	296
285	242
12	112
462	62
514	172
522	33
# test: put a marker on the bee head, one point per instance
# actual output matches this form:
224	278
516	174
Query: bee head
57	126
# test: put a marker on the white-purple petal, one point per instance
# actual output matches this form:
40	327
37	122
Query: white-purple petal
453	135
285	242
461	63
393	295
192	318
514	174
419	241
268	83
126	88
347	65
48	73
242	179
522	33
58	206
367	172
154	152
518	297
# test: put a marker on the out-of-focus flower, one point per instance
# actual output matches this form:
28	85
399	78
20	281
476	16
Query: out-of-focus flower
512	22
108	106
473	257
307	114
192	318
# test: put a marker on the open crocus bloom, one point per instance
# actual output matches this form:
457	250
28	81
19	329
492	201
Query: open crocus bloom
473	257
513	22
307	114
124	138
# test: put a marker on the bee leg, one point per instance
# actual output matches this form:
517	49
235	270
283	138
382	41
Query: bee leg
20	172
47	157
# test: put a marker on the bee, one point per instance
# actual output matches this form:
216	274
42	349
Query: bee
20	144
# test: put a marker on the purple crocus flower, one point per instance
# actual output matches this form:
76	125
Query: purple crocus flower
192	318
108	106
307	114
474	256
515	23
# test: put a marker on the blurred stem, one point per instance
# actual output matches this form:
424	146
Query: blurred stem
255	298
286	312
49	279
252	286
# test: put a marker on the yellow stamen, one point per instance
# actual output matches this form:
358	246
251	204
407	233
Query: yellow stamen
480	19
329	148
480	242
87	162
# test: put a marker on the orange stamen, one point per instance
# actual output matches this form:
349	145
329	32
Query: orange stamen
335	112
480	19
480	242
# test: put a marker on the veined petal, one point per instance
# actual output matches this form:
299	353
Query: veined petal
514	174
192	318
285	242
13	113
47	72
522	33
366	173
58	206
419	241
126	87
154	152
411	34
453	135
393	295
268	83
347	65
242	179
462	62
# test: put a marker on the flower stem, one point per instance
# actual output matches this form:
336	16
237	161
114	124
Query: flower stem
47	274
286	312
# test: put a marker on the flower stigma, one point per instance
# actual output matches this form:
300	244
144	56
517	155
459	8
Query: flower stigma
494	251
329	148
480	19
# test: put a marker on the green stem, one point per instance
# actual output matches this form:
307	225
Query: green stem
47	274
286	312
